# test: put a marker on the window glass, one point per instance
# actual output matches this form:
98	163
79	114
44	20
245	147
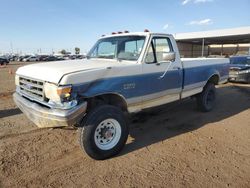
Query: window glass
131	50
150	58
105	50
161	46
123	47
134	46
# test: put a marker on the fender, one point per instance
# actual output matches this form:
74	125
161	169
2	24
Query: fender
211	73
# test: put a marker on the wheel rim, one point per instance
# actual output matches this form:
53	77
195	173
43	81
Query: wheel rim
210	98
107	134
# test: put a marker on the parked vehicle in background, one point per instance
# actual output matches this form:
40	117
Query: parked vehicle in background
20	58
239	69
42	57
13	57
50	58
66	57
123	73
4	61
24	58
80	56
59	58
31	58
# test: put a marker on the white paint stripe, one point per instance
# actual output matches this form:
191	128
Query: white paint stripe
134	100
196	85
152	103
192	92
199	62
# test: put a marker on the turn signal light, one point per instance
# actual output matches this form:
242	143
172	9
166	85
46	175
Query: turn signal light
63	90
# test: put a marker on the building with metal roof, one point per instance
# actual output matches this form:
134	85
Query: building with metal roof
222	42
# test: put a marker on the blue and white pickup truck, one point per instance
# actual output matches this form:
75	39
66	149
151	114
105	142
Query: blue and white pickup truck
124	72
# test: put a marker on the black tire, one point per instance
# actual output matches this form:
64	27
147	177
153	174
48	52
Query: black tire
207	98
94	120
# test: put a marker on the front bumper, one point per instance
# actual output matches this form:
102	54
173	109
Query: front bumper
46	117
239	77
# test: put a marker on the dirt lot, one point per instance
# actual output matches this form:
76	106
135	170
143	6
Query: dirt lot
171	146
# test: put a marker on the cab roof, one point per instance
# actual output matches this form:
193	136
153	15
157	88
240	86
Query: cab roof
134	34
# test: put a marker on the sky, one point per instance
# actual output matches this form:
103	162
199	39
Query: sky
31	26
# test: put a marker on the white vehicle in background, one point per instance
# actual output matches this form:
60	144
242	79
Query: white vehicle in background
31	59
123	73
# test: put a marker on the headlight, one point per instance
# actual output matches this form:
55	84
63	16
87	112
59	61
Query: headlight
17	80
50	91
59	96
244	71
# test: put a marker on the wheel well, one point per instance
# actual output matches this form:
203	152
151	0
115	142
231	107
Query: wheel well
111	99
214	79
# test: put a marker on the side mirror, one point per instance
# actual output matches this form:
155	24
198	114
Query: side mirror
170	56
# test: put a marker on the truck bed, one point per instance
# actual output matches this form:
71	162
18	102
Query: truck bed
196	72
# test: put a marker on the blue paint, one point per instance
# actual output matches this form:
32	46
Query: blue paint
203	73
146	84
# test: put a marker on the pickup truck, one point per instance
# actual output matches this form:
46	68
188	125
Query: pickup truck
123	73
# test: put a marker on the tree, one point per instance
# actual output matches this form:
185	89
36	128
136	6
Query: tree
77	50
63	52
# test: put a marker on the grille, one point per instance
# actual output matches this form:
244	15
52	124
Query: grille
31	88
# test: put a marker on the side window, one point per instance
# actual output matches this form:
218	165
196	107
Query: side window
160	46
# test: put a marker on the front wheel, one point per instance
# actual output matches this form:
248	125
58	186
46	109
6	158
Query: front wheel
206	99
104	132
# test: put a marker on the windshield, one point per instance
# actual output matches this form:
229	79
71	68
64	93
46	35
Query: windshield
123	47
240	60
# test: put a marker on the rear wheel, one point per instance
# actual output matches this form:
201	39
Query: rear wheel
206	99
104	132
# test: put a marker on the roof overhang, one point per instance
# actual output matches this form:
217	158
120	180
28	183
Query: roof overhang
224	36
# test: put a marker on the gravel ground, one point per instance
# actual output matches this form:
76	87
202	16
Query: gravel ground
170	146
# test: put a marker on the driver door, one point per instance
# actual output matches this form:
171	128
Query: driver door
163	78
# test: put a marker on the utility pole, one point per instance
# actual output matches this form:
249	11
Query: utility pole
202	50
11	47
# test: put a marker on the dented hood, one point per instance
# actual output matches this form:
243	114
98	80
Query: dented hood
54	71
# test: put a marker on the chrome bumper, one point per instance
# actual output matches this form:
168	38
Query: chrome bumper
45	117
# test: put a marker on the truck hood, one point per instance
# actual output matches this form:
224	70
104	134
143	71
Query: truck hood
54	71
238	67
